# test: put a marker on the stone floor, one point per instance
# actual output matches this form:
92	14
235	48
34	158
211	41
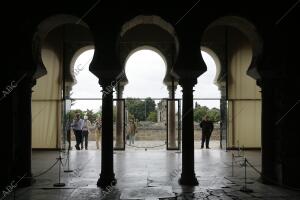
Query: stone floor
151	145
151	174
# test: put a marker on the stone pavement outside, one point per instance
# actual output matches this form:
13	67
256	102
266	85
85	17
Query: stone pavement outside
150	145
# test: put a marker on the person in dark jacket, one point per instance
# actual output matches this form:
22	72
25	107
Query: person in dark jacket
207	128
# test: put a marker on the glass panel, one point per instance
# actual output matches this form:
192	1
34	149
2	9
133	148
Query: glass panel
119	122
66	125
89	111
223	123
173	128
211	109
149	116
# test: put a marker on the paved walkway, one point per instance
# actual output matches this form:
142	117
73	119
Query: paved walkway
149	175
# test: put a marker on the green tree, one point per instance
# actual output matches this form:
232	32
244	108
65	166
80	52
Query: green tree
136	108
71	114
200	112
152	116
140	109
214	114
149	106
91	115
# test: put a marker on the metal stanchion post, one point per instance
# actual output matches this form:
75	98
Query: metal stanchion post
232	163
244	188
243	150
59	184
68	163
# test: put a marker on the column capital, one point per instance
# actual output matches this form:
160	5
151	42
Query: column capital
26	83
188	83
169	87
119	90
106	82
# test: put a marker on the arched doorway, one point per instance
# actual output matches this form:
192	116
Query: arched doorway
54	45
207	100
238	47
145	98
84	99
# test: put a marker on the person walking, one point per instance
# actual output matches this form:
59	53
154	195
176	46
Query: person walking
77	128
207	128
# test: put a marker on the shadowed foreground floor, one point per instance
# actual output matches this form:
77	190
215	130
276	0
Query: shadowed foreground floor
150	174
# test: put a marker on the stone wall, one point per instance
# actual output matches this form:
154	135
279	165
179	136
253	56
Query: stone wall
159	133
154	134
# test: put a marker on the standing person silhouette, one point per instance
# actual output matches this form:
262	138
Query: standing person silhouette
207	128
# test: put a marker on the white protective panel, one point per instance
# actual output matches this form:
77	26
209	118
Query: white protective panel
244	107
46	104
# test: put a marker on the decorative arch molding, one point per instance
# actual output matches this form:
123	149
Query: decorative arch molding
41	33
251	33
141	33
216	60
151	20
75	56
154	20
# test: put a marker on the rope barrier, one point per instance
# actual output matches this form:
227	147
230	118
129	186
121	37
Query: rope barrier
44	172
272	180
254	168
149	147
246	162
245	188
234	161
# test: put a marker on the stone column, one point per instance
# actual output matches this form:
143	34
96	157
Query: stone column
171	119
270	141
23	138
8	105
223	113
107	176
120	118
188	176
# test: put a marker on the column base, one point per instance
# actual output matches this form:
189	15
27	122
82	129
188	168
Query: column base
119	145
188	179
104	181
173	146
268	181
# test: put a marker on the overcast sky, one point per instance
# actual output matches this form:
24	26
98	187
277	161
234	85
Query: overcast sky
145	71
